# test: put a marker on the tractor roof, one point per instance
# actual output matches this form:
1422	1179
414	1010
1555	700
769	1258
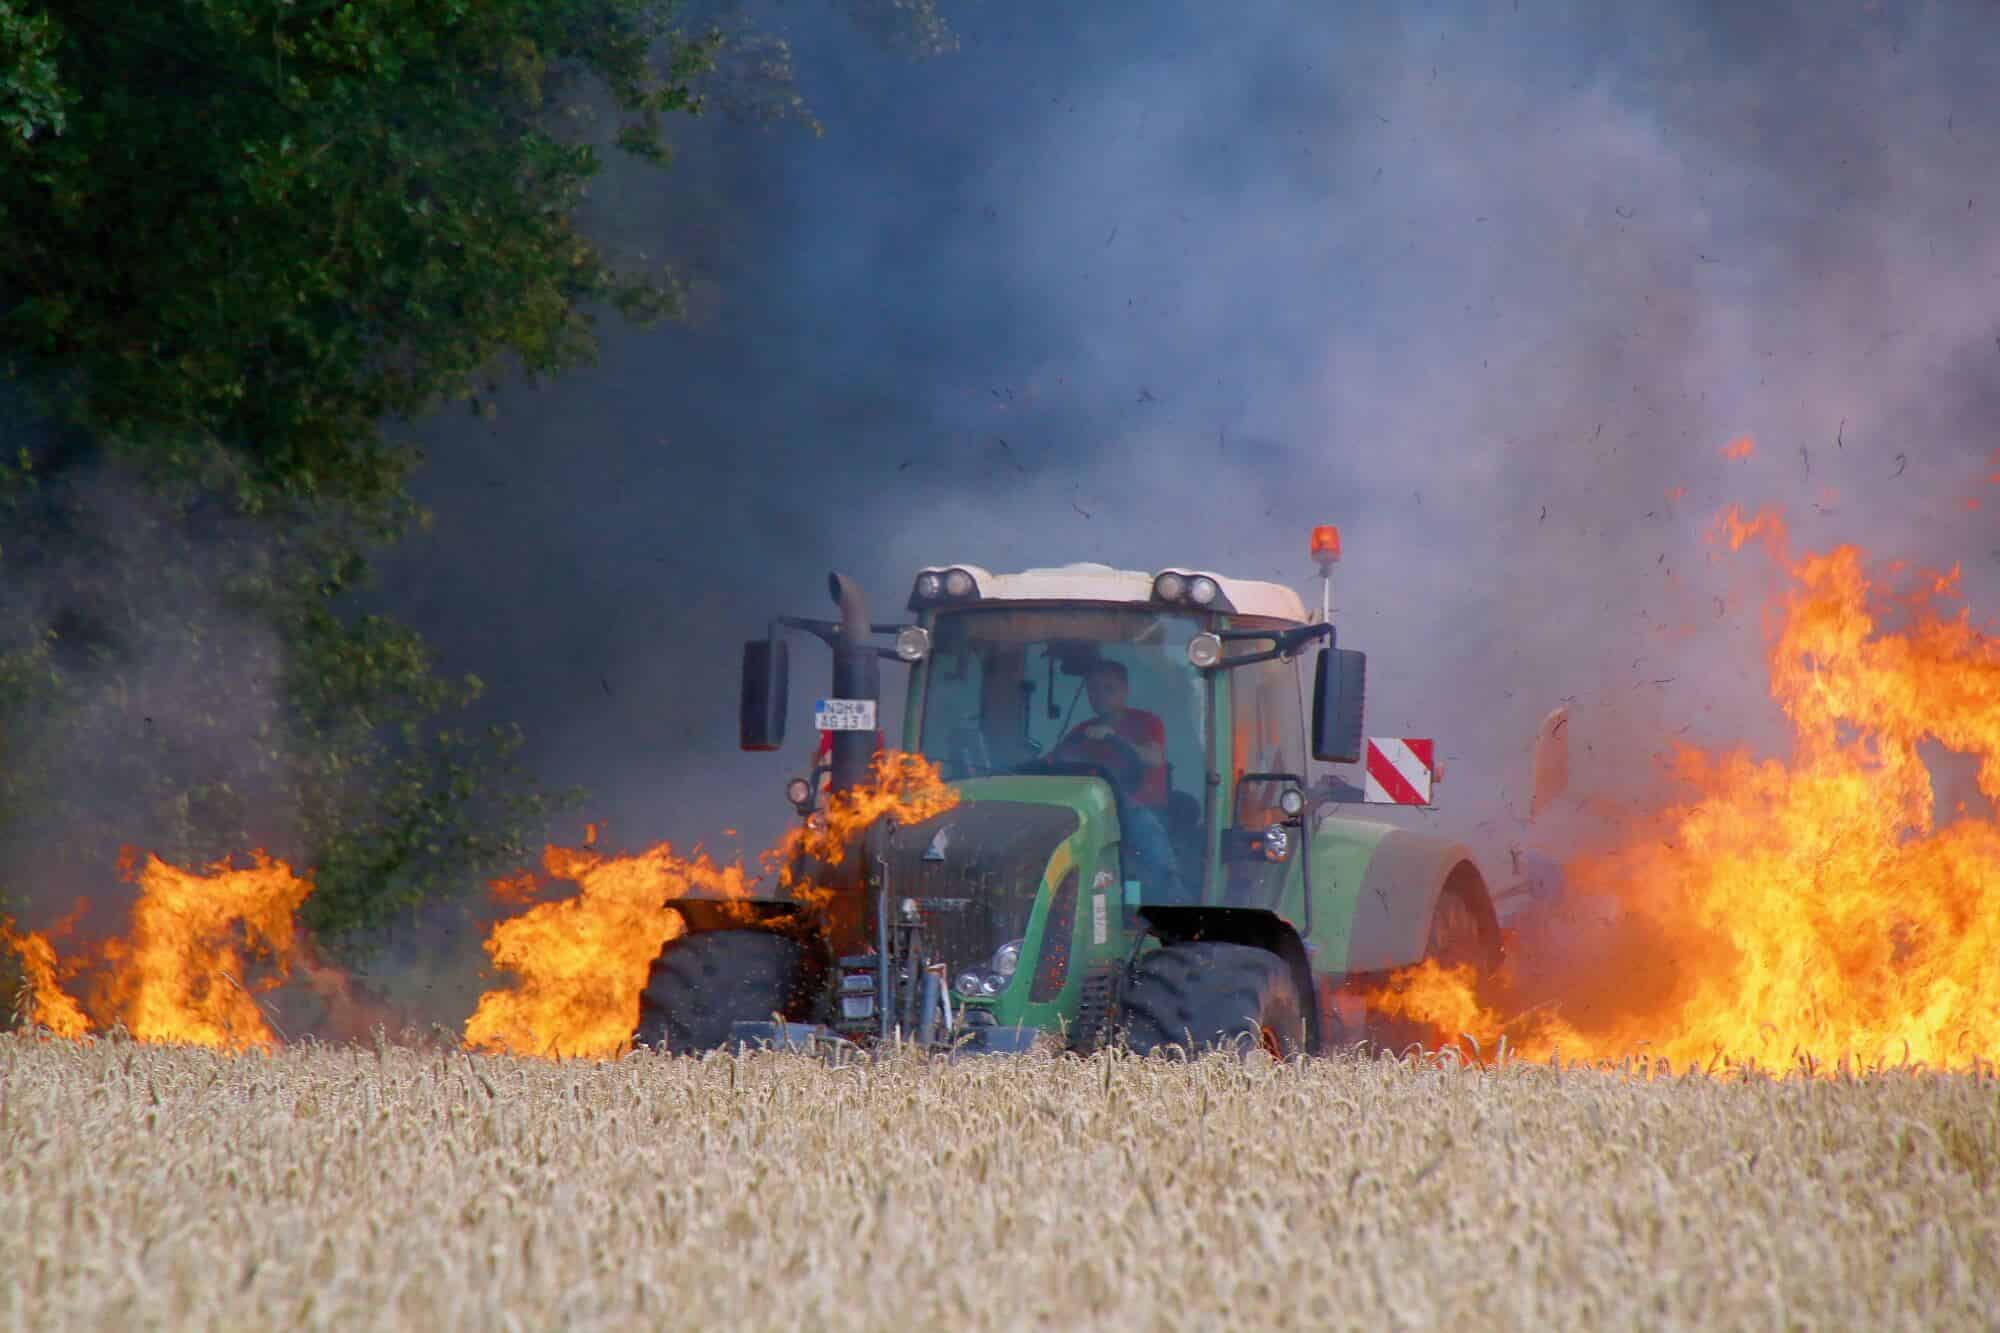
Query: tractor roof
1102	583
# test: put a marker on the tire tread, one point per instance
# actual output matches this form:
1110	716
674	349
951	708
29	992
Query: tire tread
704	983
1208	994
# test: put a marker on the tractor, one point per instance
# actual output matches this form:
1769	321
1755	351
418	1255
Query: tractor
1136	852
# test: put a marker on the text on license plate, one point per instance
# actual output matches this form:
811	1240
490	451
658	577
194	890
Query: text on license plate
845	715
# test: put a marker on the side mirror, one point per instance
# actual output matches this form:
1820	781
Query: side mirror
1339	681
766	689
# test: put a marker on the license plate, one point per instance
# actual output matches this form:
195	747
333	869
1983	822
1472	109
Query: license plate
844	715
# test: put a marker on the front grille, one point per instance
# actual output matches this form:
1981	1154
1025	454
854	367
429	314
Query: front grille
977	888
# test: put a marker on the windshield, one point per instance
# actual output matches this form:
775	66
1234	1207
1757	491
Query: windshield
1014	689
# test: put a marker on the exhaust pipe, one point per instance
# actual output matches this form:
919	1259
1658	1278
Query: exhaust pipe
853	604
857	674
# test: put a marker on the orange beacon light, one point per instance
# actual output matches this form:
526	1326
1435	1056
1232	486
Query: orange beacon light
1325	544
1326	554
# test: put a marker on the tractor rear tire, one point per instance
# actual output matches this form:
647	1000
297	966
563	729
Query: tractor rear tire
704	983
1462	933
1205	995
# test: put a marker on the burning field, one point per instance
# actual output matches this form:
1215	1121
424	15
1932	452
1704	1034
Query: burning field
204	946
1811	914
1808	912
1814	911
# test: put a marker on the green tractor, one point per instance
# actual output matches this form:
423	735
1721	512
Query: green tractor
1136	851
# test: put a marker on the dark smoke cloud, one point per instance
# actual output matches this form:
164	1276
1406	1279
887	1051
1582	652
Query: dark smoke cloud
155	705
1490	285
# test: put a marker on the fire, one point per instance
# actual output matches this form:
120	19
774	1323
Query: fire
51	1007
203	945
579	964
1739	448
905	786
1810	911
183	973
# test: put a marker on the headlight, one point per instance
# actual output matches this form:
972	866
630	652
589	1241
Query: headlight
944	585
1202	590
1292	801
1169	587
970	983
1204	650
1006	958
1277	842
991	985
798	791
913	643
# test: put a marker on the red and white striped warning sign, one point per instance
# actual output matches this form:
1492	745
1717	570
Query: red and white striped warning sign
1399	771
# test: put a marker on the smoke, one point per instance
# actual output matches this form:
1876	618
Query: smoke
1492	286
1496	287
152	701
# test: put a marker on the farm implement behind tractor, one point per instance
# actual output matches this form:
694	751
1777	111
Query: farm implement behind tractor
1130	844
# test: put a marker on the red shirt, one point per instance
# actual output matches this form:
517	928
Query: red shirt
824	755
1136	727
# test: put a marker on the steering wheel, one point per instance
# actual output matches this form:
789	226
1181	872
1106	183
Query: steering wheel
1111	752
970	756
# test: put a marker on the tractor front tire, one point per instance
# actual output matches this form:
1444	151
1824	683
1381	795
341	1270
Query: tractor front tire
1205	995
704	983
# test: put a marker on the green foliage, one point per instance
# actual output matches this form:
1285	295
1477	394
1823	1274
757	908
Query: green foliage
271	227
185	684
236	240
30	101
444	803
239	241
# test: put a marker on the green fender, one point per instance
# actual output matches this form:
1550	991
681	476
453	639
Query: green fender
1375	887
1406	875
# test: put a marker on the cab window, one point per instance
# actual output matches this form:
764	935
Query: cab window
1006	684
1267	734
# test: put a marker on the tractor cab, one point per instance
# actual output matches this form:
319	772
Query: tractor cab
1176	695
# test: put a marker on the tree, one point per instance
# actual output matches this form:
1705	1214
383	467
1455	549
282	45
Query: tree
239	243
260	231
237	240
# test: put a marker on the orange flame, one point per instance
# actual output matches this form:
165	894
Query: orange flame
183	972
580	963
1739	448
906	787
520	889
52	1007
1803	912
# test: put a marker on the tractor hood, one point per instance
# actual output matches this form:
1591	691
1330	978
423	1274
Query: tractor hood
975	870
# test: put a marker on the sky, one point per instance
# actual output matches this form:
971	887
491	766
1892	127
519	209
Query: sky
1495	287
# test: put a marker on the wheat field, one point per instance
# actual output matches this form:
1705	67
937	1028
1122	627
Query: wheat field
400	1187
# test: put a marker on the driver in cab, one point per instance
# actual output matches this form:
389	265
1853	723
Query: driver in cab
1118	727
1131	744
